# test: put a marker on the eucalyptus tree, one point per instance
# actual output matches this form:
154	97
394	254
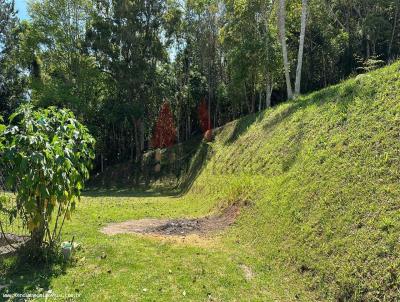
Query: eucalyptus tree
12	80
249	40
125	38
301	47
203	21
56	36
282	36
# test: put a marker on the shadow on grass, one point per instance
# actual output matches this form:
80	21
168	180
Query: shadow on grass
293	149
241	127
341	94
195	168
19	277
130	192
196	162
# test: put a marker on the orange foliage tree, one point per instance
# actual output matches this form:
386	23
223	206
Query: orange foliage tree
164	132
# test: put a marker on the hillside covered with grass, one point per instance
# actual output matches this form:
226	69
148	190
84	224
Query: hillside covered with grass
320	177
322	173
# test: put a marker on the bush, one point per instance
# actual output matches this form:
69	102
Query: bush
46	157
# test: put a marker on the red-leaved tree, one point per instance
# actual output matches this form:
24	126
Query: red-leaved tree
204	117
164	132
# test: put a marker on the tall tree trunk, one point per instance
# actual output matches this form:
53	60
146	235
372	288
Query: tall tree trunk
282	34
268	91
394	29
301	47
138	152
253	99
368	54
269	79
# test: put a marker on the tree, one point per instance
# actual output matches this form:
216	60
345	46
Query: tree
301	47
46	156
165	131
282	35
12	84
125	38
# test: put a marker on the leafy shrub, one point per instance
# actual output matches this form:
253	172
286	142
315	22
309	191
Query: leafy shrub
369	64
46	157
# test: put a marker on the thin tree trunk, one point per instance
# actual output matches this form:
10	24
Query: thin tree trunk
324	68
301	47
269	78
282	34
268	92
253	99
394	28
138	151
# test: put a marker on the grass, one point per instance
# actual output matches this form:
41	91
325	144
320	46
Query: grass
322	174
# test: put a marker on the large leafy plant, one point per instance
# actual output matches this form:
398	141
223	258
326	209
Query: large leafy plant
46	157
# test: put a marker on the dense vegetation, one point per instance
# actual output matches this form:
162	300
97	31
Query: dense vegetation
307	148
320	176
113	63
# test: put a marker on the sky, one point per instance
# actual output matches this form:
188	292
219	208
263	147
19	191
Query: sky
21	7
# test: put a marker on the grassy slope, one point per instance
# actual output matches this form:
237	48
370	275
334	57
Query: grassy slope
328	193
323	176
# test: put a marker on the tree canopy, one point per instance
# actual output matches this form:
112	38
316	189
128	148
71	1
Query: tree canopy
114	62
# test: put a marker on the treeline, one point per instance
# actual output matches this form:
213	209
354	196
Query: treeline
114	62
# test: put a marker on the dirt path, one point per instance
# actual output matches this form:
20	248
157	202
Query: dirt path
176	227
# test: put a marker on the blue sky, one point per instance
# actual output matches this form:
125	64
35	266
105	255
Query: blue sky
21	6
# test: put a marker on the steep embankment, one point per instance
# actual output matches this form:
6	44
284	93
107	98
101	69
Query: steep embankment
322	173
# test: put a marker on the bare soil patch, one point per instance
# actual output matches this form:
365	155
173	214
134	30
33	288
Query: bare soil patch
247	272
176	227
10	243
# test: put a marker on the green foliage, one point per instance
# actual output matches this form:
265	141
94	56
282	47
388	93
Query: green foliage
12	80
113	62
321	174
2	128
46	157
369	64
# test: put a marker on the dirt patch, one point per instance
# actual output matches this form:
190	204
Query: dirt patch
176	227
247	272
10	243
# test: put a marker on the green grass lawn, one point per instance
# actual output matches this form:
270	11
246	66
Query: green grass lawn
322	176
157	269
